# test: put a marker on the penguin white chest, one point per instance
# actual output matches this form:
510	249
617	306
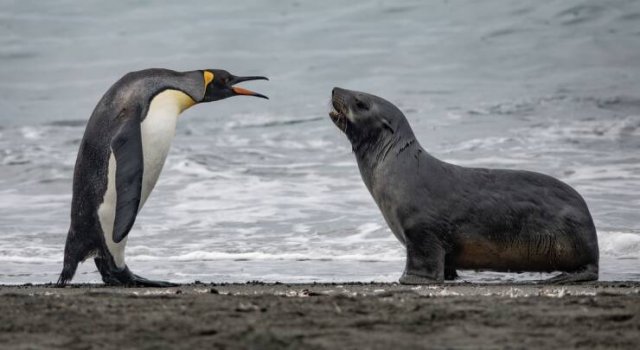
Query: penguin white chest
157	132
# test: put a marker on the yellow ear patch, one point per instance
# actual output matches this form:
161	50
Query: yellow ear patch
208	77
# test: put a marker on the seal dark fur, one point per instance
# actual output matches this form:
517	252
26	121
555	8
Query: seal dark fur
451	217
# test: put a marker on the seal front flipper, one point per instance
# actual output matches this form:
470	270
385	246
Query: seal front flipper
450	272
127	150
425	258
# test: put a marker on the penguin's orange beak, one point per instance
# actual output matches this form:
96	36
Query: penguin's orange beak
242	91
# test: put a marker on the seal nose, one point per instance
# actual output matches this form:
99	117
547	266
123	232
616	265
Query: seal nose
337	92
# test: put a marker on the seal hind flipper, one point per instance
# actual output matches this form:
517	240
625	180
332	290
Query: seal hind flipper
126	146
586	274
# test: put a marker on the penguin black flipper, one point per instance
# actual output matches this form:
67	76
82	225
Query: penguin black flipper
126	146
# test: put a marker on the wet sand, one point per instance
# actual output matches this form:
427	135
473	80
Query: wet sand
321	316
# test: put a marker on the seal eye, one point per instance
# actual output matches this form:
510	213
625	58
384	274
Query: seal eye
360	104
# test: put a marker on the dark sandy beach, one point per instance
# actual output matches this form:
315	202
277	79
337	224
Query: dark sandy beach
322	316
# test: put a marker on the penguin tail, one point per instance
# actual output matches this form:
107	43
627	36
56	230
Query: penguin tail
71	261
68	270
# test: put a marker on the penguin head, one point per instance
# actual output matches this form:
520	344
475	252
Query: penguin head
219	84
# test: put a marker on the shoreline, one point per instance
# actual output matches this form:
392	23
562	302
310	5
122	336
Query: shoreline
322	316
522	289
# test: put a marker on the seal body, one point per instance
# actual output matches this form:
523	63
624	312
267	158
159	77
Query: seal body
121	156
451	217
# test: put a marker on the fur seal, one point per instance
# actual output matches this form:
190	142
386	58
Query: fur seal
451	217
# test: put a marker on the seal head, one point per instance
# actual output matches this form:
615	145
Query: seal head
365	118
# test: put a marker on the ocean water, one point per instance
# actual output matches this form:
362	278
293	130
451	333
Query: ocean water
269	190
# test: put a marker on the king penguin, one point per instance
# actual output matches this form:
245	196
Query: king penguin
121	155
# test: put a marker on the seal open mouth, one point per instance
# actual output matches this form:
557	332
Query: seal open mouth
338	118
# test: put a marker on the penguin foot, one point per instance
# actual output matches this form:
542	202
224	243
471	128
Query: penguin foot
143	282
112	276
125	278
